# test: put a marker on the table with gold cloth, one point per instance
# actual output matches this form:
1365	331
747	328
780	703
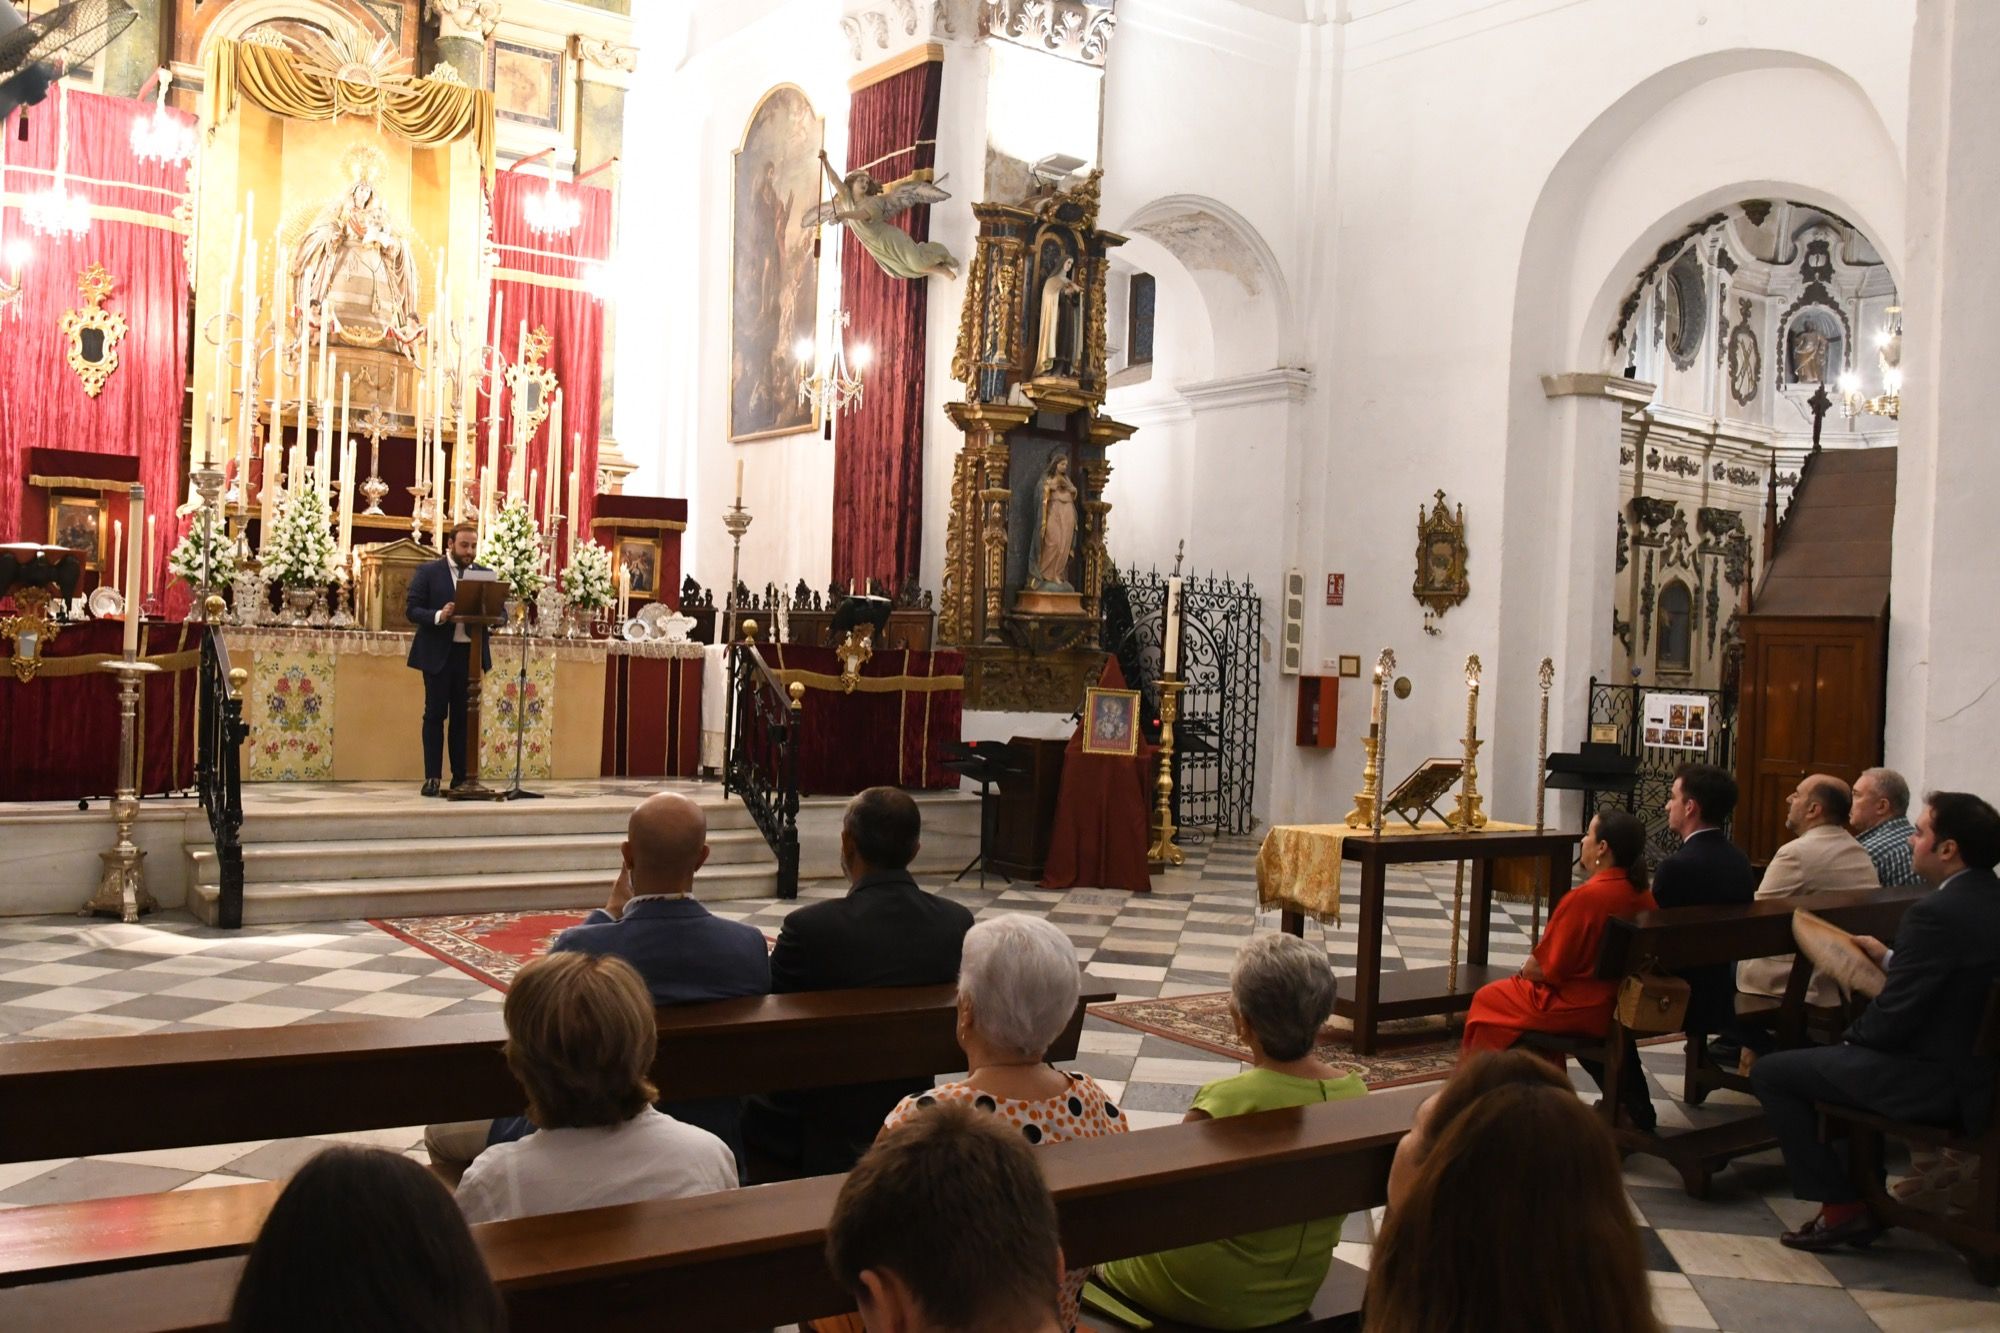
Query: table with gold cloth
342	705
1298	872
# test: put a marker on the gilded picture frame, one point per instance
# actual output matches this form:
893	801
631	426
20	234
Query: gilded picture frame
773	271
526	83
531	386
1442	555
641	555
92	332
76	523
1110	721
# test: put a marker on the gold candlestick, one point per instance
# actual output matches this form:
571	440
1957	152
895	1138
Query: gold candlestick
1163	853
1363	813
1547	677
1367	811
122	890
1468	814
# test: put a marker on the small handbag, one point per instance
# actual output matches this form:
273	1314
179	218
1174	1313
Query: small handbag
1648	1002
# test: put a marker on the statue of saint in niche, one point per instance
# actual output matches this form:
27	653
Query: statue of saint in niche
1809	348
1061	331
1056	537
355	269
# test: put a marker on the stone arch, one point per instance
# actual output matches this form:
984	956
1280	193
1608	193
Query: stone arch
233	21
1668	151
1241	282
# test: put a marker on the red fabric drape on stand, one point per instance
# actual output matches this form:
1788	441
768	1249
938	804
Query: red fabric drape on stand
42	402
573	317
878	470
61	731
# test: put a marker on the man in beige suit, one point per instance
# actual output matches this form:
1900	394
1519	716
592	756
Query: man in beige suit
1822	857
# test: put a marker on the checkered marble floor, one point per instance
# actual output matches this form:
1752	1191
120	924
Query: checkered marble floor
1714	1263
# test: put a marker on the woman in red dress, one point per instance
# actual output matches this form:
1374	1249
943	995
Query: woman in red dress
1557	989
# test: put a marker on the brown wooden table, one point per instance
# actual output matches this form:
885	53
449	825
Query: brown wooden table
1414	992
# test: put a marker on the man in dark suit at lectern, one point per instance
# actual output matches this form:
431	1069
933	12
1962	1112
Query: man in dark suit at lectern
443	652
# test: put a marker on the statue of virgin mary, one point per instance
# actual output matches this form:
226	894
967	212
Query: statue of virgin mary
355	269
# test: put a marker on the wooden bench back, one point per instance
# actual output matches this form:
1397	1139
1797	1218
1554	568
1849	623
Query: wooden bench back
1671	939
72	1098
754	1258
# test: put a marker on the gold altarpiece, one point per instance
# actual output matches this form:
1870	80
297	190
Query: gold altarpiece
1025	605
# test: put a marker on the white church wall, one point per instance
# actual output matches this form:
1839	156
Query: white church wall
1472	203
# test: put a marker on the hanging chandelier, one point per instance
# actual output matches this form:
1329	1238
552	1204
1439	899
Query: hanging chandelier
160	137
1889	350
837	388
55	211
553	212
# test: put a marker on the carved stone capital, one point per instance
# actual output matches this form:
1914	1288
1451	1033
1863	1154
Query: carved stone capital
607	54
1078	30
473	20
879	30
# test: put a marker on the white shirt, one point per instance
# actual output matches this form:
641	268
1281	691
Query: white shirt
650	1156
458	634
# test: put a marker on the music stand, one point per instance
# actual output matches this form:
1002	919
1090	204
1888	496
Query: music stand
479	607
985	764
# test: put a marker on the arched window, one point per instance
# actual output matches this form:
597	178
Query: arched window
1674	632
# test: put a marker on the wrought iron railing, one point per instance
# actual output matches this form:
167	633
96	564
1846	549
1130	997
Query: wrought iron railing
762	765
219	770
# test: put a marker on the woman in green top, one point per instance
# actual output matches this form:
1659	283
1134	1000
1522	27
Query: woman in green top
1280	995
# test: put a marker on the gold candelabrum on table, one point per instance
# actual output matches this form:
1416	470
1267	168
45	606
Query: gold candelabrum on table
1546	677
1367	811
1164	853
1466	817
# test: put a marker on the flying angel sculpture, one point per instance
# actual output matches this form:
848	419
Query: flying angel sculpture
865	207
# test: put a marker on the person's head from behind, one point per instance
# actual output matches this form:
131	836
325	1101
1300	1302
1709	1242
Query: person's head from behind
1955	831
362	1238
1616	840
947	1224
1577	1269
1703	796
1017	988
1819	799
666	841
880	831
1474	1078
1880	794
581	1035
1281	993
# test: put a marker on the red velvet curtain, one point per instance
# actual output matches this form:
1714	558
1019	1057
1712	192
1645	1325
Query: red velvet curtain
541	280
133	235
878	479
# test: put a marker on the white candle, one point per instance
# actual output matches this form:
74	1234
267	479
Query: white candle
347	471
485	499
301	441
136	507
245	411
208	431
739	483
1172	652
439	505
534	477
575	491
554	505
347	448
624	594
108	576
274	435
151	521
1375	700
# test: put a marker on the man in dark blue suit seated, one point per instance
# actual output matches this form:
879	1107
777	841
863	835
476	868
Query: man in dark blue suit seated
684	953
443	652
887	931
1911	1055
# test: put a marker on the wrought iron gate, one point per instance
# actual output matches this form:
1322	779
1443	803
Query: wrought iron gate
1215	736
1621	706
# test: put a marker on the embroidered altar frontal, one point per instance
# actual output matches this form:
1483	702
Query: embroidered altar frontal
889	726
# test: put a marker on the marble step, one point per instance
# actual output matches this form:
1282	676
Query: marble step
350	899
448	854
441	820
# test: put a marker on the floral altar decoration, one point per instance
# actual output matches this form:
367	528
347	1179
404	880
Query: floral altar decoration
512	549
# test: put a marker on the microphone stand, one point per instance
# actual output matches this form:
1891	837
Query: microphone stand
515	792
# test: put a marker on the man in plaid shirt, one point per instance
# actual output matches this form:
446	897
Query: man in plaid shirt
1880	822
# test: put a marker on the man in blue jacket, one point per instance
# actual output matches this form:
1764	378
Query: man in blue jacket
443	652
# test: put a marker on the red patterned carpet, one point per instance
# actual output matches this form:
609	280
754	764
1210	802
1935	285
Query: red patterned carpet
1416	1050
490	945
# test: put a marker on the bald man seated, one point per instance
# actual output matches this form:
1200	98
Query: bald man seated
684	953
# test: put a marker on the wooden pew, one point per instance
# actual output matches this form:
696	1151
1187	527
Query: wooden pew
1673	939
754	1258
76	1097
1976	1235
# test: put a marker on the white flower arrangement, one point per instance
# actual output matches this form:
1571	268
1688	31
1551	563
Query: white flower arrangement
587	580
200	546
512	548
299	552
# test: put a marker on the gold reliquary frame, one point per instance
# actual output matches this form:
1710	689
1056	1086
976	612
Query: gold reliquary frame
531	386
93	332
1441	557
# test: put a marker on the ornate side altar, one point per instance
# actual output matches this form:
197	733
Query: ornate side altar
60	726
1025	553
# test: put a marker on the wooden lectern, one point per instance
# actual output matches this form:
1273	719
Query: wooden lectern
479	607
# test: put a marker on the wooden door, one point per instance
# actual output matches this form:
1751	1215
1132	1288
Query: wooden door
1811	702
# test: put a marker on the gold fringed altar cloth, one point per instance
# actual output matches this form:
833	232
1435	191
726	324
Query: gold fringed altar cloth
1298	867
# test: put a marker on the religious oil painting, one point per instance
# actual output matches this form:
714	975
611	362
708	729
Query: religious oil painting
774	274
527	84
1111	721
640	558
77	522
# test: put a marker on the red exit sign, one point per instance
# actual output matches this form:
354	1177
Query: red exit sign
1336	589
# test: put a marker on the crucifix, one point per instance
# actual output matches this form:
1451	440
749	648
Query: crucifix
374	424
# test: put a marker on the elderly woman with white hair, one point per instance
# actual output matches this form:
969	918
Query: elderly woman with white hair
1280	994
1017	988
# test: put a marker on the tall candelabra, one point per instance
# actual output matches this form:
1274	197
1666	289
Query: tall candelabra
1466	817
1165	852
737	520
208	485
1547	679
1367	811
